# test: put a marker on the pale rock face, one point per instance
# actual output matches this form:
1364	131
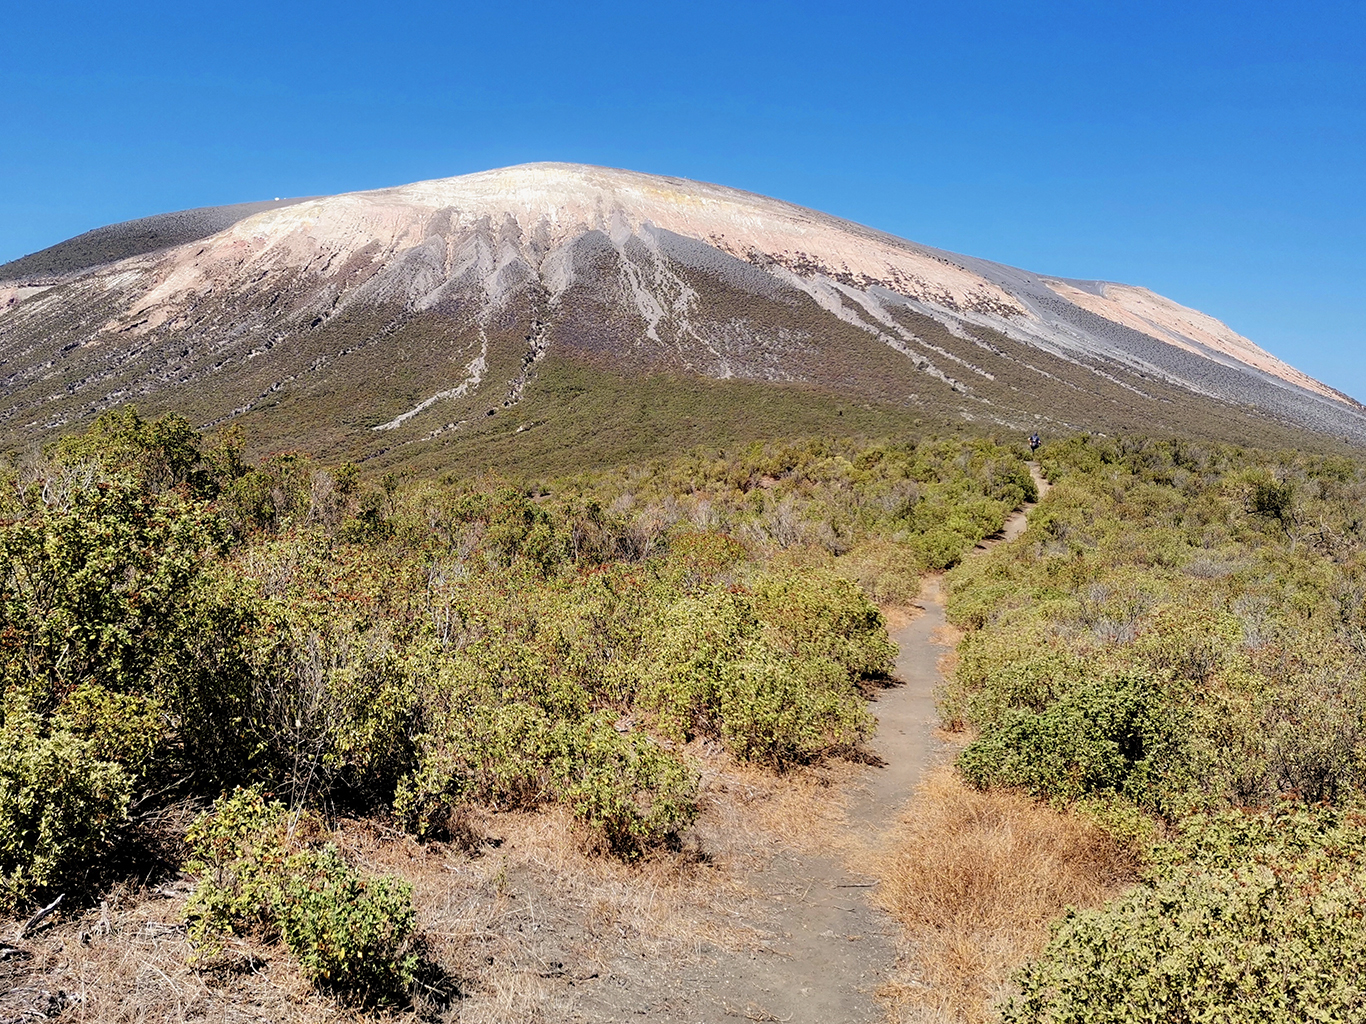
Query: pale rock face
12	295
1188	329
554	204
644	253
537	210
558	203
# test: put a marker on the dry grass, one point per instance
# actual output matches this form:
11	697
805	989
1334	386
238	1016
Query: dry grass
976	878
899	616
129	961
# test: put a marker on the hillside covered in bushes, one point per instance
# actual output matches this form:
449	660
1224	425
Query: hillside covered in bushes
283	642
1175	648
209	662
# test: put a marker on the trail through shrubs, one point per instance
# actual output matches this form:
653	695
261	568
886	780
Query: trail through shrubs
292	641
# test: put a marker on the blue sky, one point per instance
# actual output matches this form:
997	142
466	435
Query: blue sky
1213	152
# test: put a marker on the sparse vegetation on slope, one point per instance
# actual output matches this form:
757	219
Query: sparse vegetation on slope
382	326
222	661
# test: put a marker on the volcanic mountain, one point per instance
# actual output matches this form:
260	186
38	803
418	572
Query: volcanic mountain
410	322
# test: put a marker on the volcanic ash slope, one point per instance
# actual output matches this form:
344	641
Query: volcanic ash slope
374	320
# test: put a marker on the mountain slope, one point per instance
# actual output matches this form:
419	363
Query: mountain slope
130	238
399	322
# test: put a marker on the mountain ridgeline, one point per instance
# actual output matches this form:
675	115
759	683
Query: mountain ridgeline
547	312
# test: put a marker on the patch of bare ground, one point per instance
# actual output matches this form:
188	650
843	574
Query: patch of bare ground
899	616
975	878
546	930
705	933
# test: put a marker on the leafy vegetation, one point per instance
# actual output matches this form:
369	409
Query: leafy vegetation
1176	644
1173	650
60	806
1245	917
1181	626
178	621
257	870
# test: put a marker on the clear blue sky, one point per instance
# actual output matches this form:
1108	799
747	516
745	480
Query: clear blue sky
1215	152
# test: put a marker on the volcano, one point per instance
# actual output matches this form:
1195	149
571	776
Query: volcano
398	322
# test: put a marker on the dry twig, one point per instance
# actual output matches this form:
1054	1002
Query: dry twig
38	918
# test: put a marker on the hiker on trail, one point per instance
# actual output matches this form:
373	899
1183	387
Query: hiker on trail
1034	442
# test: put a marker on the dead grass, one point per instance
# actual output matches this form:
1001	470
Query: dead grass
899	616
129	961
976	878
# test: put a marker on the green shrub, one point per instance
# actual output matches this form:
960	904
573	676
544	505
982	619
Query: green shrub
257	870
696	639
60	807
160	454
121	727
816	614
238	852
1249	919
940	549
1026	667
888	571
775	713
330	702
630	793
1119	734
770	674
504	755
96	578
347	932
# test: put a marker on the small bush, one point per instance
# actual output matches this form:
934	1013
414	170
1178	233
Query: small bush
697	638
120	727
631	793
256	871
775	714
1117	734
500	754
889	572
940	549
1248	919
817	614
60	807
348	932
770	675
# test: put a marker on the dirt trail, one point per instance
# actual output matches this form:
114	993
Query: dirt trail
1017	521
906	713
829	947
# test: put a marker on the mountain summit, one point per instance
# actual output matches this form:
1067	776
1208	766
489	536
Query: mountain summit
375	321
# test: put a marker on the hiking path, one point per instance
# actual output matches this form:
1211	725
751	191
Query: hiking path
830	947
